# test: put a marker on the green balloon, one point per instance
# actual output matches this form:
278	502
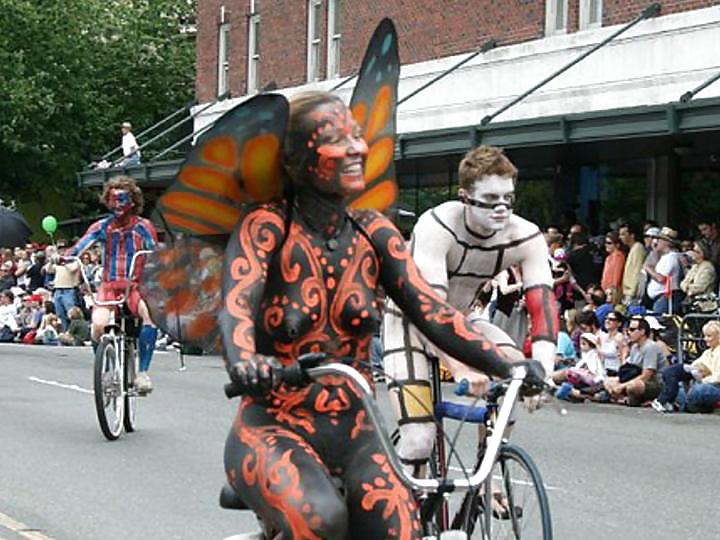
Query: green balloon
49	224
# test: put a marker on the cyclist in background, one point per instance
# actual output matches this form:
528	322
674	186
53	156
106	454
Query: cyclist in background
122	234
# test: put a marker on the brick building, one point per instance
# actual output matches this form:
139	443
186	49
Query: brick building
609	137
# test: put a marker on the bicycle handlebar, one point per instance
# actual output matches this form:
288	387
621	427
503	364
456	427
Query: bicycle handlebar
308	368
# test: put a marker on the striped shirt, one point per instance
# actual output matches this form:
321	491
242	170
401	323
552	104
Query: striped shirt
120	241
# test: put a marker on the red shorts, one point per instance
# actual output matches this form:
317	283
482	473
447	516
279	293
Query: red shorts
114	290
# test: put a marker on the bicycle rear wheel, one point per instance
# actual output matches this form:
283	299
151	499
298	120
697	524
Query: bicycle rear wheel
131	367
108	386
512	503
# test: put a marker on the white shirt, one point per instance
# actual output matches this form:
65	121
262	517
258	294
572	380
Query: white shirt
129	144
7	317
668	265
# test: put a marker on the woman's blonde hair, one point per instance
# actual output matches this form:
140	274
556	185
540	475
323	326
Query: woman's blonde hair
75	313
712	327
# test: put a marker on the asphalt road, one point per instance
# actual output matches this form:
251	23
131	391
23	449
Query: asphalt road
611	472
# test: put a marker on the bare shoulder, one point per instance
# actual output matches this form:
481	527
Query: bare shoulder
519	229
446	216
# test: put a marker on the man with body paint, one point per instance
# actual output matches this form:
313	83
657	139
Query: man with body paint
459	246
123	234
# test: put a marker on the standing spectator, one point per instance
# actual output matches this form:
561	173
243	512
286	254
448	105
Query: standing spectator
22	265
130	149
709	231
34	273
581	260
67	279
7	279
631	293
49	269
665	275
638	377
700	279
612	275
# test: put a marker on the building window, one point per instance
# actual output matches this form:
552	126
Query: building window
334	35
253	77
555	17
223	58
590	14
314	26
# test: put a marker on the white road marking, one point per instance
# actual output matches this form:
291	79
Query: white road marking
496	477
21	529
61	385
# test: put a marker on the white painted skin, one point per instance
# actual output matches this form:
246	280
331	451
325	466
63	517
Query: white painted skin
491	189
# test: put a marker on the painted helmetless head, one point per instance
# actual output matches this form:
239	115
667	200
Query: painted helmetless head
487	187
324	146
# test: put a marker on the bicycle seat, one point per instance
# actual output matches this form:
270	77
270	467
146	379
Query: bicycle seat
230	500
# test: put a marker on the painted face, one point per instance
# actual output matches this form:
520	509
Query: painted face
489	203
339	148
120	202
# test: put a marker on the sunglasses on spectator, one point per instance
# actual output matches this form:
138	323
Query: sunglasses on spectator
633	328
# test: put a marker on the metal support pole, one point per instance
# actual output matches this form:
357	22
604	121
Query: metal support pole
650	11
687	96
487	46
343	82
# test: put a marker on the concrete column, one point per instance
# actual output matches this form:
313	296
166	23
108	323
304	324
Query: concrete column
662	177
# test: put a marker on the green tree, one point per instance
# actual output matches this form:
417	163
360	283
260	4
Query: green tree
72	70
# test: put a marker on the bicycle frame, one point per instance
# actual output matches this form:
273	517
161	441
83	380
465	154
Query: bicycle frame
429	485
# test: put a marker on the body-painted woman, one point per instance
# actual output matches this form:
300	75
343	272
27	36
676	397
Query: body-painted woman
302	277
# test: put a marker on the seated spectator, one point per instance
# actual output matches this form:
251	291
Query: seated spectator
703	373
700	279
638	378
587	372
78	331
8	317
612	274
565	355
49	330
612	349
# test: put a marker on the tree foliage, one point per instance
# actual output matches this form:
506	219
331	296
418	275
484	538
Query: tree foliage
72	71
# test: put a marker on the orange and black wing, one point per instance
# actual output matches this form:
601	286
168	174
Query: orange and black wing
236	162
373	106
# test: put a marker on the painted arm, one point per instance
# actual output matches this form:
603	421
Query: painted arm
446	327
95	233
259	232
541	303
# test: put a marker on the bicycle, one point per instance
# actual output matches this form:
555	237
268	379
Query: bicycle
116	364
495	455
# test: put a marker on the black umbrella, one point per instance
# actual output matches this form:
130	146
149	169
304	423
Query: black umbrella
14	230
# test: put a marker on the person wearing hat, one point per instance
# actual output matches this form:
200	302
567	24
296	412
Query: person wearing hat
664	277
130	149
631	292
587	372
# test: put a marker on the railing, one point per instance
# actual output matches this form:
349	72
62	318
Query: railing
650	11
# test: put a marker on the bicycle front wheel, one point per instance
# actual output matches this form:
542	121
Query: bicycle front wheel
512	503
108	386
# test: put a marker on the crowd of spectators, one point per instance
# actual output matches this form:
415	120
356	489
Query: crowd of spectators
43	298
620	297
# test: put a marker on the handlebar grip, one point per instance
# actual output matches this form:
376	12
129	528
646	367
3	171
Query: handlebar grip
462	388
233	390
